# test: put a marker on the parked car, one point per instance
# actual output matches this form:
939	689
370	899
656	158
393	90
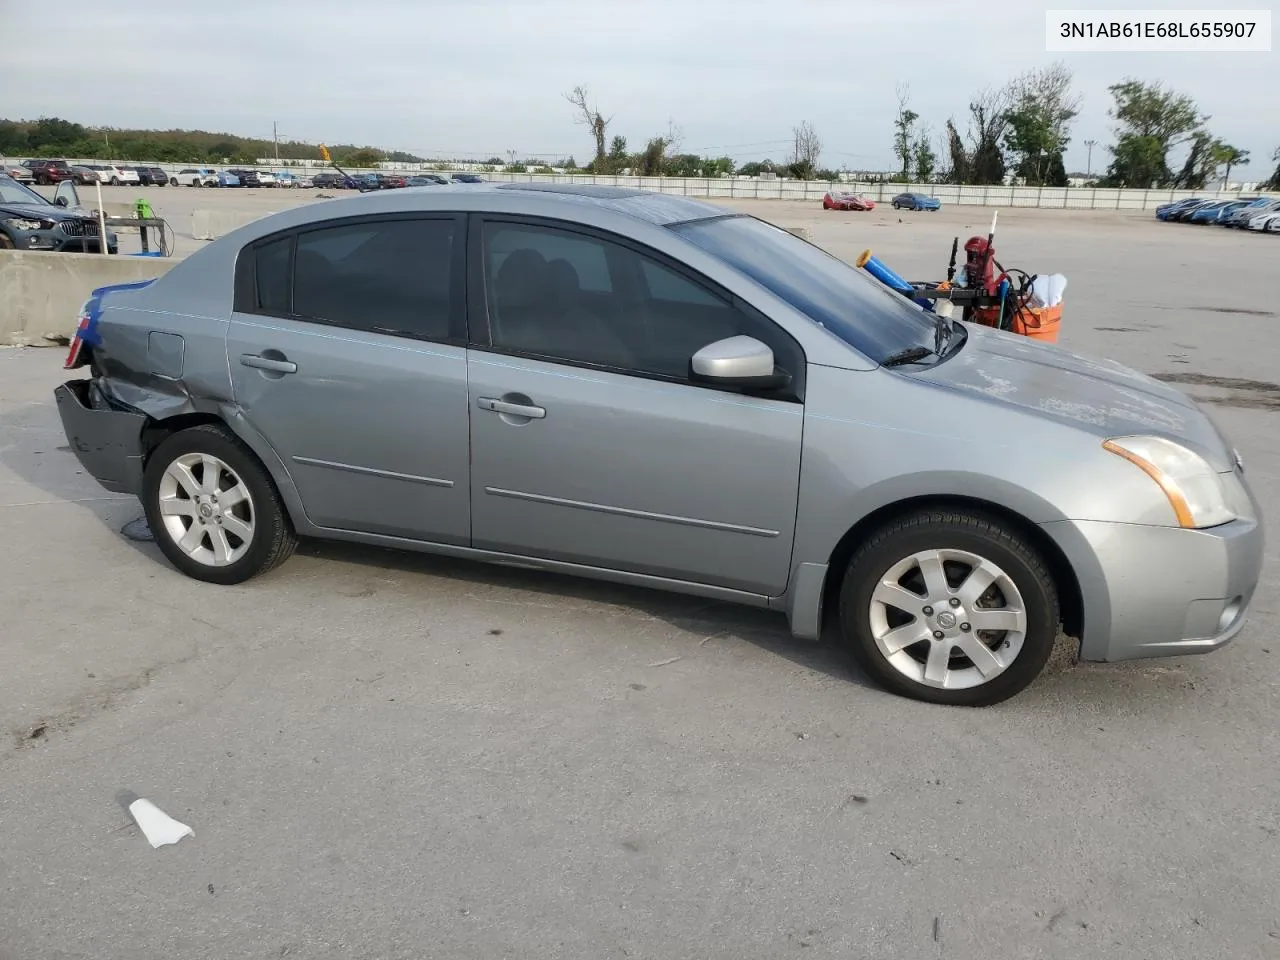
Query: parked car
467	178
390	181
266	178
228	179
1241	217
395	385
846	201
421	181
1214	212
1184	214
1167	210
916	201
18	172
287	178
117	175
248	178
195	177
330	181
434	178
48	172
151	176
83	174
30	222
1266	222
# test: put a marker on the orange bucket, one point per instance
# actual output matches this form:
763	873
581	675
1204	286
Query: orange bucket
1038	323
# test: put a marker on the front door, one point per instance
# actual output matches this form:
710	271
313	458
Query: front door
588	442
347	352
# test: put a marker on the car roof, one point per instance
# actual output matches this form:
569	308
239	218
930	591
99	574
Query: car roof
550	199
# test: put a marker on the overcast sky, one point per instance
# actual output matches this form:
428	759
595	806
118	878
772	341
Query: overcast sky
486	76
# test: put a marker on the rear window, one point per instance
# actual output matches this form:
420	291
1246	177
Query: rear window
833	294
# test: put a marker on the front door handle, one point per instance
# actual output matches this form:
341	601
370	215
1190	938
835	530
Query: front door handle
268	363
511	409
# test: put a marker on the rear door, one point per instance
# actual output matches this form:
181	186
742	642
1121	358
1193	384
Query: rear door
348	353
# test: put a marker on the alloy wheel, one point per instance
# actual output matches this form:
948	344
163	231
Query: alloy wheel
207	509
948	619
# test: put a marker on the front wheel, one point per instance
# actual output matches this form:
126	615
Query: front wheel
213	508
951	607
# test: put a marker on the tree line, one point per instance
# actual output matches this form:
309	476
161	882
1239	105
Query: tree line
55	137
1020	129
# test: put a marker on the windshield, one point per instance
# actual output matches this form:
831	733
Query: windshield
845	300
11	191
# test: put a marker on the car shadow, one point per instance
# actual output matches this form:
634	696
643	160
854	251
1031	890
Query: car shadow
52	468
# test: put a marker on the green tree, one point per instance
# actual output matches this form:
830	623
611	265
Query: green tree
923	158
1230	156
717	167
1274	182
1039	119
364	157
1152	121
757	167
903	127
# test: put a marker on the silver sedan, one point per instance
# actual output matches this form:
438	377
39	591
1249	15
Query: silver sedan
661	392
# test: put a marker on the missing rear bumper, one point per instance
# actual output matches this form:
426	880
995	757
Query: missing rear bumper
106	440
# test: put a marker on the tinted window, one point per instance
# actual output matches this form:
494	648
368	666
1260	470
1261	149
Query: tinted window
845	300
394	276
272	277
569	296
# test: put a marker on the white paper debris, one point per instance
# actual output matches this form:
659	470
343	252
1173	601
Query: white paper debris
158	826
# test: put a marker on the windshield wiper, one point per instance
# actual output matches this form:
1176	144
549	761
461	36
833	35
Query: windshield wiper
909	355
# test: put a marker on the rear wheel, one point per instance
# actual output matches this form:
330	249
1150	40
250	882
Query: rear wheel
950	607
213	508
5	242
173	181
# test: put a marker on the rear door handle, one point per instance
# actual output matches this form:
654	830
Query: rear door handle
268	363
513	409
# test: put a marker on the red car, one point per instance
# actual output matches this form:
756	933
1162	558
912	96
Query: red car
846	201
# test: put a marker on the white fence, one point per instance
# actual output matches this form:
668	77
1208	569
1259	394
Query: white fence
1074	198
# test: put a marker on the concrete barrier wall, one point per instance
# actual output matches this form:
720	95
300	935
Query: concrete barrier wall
212	224
41	293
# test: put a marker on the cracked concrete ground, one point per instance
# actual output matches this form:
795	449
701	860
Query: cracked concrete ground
392	756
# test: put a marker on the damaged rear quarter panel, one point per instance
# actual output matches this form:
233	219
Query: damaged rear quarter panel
176	325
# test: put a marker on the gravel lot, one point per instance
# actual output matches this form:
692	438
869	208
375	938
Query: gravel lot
395	756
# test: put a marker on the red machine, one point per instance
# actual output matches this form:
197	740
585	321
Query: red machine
979	266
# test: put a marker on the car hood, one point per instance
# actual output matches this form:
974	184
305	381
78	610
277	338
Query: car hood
36	211
1103	397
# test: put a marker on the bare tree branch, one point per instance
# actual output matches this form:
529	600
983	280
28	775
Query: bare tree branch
589	114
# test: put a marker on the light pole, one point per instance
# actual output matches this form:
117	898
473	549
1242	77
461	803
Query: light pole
1090	144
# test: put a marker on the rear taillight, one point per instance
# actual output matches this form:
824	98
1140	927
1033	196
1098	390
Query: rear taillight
77	356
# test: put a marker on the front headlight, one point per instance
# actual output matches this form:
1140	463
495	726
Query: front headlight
1199	495
17	223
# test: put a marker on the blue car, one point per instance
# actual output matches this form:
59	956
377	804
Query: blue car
916	201
1214	212
227	179
1166	210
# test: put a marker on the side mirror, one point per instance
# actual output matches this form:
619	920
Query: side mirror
740	361
62	201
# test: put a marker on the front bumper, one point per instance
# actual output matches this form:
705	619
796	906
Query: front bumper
1152	591
106	440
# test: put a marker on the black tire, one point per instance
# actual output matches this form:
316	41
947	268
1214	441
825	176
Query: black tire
273	539
115	181
173	181
972	532
5	242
